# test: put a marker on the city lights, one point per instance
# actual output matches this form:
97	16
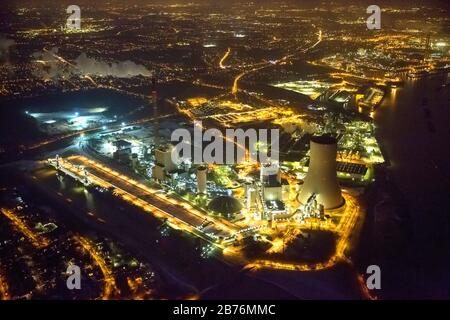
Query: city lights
206	151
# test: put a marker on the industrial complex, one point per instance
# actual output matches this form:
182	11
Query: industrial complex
274	202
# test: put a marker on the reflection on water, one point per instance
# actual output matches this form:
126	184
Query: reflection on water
412	127
71	189
62	182
89	200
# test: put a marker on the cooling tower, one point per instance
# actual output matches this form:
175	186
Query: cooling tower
321	178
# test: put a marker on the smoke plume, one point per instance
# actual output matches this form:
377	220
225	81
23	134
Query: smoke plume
123	69
53	66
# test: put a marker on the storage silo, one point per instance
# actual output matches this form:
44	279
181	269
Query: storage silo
201	179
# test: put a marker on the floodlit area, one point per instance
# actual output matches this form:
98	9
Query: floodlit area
67	121
312	89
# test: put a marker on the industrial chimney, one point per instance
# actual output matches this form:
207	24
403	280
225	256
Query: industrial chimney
201	179
321	179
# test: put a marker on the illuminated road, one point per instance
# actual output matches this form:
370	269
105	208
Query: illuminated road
224	58
319	40
110	289
261	65
364	290
37	240
235	87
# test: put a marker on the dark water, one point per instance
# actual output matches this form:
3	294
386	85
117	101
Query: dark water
412	127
